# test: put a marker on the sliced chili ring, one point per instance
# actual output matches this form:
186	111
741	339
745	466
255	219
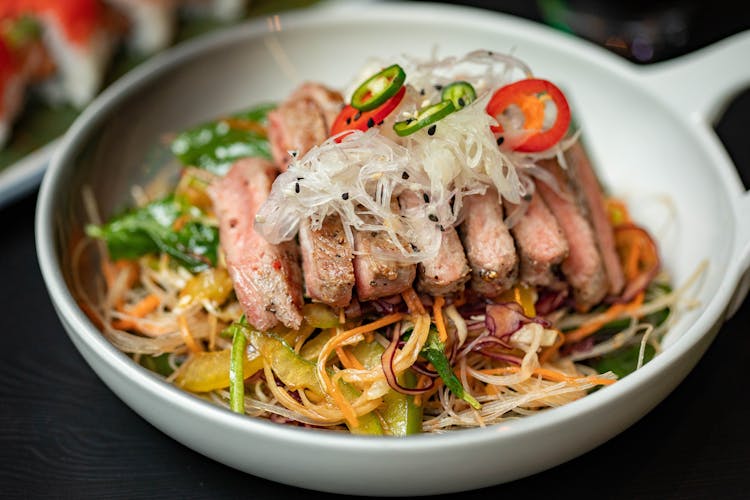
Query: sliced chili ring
351	118
459	93
427	116
378	88
529	96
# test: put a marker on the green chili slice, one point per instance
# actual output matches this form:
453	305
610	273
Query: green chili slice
460	93
236	372
378	88
426	117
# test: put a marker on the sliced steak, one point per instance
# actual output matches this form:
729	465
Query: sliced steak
375	274
591	194
266	277
327	262
583	267
541	245
302	121
489	245
449	270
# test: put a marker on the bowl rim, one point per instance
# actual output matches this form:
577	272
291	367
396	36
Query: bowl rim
79	326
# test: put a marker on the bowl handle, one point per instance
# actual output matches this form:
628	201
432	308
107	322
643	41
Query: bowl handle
699	86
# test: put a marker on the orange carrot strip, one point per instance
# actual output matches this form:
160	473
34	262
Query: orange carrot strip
371	327
332	389
347	359
190	341
610	314
437	312
147	305
412	301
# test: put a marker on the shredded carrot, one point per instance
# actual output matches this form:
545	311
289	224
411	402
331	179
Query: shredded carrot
347	359
146	305
348	411
547	353
371	327
190	341
551	375
331	345
632	259
412	301
614	312
437	311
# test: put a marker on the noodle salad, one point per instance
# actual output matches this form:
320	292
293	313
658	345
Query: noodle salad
428	250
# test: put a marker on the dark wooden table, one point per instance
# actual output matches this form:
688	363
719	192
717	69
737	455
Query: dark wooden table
64	434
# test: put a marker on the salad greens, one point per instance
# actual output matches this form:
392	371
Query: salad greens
215	145
168	225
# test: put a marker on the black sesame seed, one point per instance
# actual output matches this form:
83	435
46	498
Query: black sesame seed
405	175
500	140
349	120
438	87
442	229
527	197
489	53
370	123
461	102
426	198
409	120
421	92
296	187
358	115
380	122
345	196
432	217
432	129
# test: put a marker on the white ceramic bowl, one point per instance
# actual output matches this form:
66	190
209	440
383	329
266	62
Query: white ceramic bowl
648	129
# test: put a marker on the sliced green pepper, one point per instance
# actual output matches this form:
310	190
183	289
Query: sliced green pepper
426	117
378	88
401	415
460	93
236	372
434	352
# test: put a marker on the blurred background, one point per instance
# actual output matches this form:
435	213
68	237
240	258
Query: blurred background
56	56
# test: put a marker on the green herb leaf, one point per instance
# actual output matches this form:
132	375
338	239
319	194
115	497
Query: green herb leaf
150	229
623	361
434	351
216	145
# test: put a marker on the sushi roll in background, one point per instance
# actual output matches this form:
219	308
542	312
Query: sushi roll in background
151	23
80	37
223	10
23	61
62	50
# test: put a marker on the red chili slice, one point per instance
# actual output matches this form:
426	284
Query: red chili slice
529	95
352	119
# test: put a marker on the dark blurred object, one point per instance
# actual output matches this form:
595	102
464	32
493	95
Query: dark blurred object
641	31
647	31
